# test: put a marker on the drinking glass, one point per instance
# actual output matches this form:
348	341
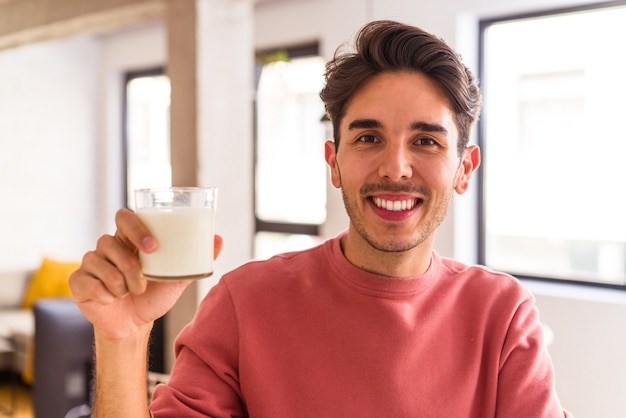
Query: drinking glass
182	219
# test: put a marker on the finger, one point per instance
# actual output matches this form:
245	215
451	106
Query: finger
132	232
87	288
92	281
218	243
117	266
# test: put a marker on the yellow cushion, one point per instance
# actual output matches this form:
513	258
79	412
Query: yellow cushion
50	280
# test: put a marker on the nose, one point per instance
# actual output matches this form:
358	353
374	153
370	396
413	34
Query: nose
396	163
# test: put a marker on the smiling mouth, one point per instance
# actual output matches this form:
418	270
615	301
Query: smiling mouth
395	205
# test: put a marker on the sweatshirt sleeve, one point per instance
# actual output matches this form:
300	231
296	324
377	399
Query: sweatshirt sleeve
526	377
205	377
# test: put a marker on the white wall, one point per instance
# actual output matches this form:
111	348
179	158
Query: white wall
48	131
589	345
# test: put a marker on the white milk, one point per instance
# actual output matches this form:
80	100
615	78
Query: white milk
185	243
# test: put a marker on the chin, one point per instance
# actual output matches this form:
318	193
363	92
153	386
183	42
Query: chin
394	244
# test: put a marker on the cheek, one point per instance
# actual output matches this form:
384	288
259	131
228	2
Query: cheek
437	173
351	173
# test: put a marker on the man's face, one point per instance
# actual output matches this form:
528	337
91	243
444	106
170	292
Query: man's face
397	162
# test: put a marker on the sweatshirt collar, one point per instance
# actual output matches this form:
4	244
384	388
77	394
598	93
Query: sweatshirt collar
378	285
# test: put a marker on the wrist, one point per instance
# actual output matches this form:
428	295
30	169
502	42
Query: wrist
123	336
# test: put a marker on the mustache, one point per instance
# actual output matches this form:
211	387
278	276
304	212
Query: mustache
394	188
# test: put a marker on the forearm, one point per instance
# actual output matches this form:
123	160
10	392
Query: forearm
120	381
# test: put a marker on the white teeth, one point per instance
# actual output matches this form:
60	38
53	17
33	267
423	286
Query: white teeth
395	205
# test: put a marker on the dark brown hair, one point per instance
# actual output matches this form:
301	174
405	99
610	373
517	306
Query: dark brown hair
387	46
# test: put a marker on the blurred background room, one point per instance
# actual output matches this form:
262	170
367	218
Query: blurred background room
100	97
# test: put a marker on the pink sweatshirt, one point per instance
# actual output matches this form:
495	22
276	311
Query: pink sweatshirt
307	334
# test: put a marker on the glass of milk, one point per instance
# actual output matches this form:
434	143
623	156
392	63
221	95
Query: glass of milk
182	221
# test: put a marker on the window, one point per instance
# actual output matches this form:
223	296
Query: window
146	138
553	194
290	171
147	133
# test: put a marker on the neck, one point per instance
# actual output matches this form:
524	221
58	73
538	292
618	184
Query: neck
400	264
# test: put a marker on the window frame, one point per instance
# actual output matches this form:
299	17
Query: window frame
260	225
483	24
128	77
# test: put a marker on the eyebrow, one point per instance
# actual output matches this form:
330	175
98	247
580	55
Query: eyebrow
428	127
365	124
415	126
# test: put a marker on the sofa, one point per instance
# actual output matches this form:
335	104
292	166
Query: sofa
19	292
63	359
17	324
53	341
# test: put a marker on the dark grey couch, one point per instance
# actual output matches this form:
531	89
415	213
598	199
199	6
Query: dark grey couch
63	359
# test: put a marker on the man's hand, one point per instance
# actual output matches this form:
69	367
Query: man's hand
109	286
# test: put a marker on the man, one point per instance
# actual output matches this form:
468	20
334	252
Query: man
371	323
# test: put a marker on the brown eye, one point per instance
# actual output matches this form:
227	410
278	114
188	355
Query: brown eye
367	139
426	141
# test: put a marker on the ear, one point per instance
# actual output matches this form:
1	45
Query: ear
469	163
331	159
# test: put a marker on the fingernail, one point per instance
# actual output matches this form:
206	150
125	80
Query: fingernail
148	243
